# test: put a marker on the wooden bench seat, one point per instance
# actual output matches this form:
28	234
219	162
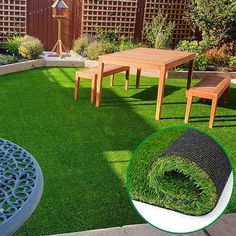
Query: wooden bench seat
91	74
209	88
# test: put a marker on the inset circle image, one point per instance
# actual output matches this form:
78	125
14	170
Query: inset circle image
180	179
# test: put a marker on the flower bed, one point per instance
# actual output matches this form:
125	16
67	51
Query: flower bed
20	49
215	45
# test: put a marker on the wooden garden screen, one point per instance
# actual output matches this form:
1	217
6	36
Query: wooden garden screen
87	15
175	10
13	15
109	14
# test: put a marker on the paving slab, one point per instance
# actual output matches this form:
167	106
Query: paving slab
224	227
141	230
74	60
146	229
117	231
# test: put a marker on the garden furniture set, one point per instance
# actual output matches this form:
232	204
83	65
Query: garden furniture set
154	59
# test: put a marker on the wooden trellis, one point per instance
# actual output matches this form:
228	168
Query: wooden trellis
87	15
13	14
109	14
175	10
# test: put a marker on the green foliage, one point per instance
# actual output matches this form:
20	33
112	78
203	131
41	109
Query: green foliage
6	59
159	31
30	47
232	61
95	50
120	44
108	36
81	44
216	19
13	45
195	46
125	44
198	48
109	47
106	41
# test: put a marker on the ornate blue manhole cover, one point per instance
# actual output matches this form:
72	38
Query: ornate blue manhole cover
21	186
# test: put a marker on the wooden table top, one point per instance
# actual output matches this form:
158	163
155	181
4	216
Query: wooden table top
148	57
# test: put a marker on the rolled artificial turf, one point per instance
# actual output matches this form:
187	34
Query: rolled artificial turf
188	176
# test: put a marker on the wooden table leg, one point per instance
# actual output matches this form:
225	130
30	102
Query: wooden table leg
99	83
190	75
138	75
112	77
127	72
160	94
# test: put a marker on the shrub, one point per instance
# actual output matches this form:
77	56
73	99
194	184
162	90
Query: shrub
216	19
30	47
81	44
195	46
109	47
159	32
202	61
125	44
13	45
108	36
218	57
232	61
95	50
6	59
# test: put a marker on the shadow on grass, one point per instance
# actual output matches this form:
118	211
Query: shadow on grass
83	151
150	94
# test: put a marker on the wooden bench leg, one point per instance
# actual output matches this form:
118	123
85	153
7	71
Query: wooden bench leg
112	80
127	78
77	82
188	108
138	77
225	96
93	90
213	111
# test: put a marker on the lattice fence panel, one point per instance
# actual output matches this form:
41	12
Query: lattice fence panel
175	10
109	14
13	14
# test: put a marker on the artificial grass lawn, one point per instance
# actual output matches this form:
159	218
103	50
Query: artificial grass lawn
172	182
84	151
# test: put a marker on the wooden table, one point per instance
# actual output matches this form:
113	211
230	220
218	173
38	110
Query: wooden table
147	58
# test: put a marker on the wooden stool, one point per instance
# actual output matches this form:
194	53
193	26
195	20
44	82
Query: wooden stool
91	74
209	88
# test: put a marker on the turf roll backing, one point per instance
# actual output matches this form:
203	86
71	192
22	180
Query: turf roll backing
189	176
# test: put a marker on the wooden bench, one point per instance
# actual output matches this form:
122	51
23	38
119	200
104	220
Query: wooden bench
209	88
91	74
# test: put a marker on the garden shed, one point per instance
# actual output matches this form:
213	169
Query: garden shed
87	15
